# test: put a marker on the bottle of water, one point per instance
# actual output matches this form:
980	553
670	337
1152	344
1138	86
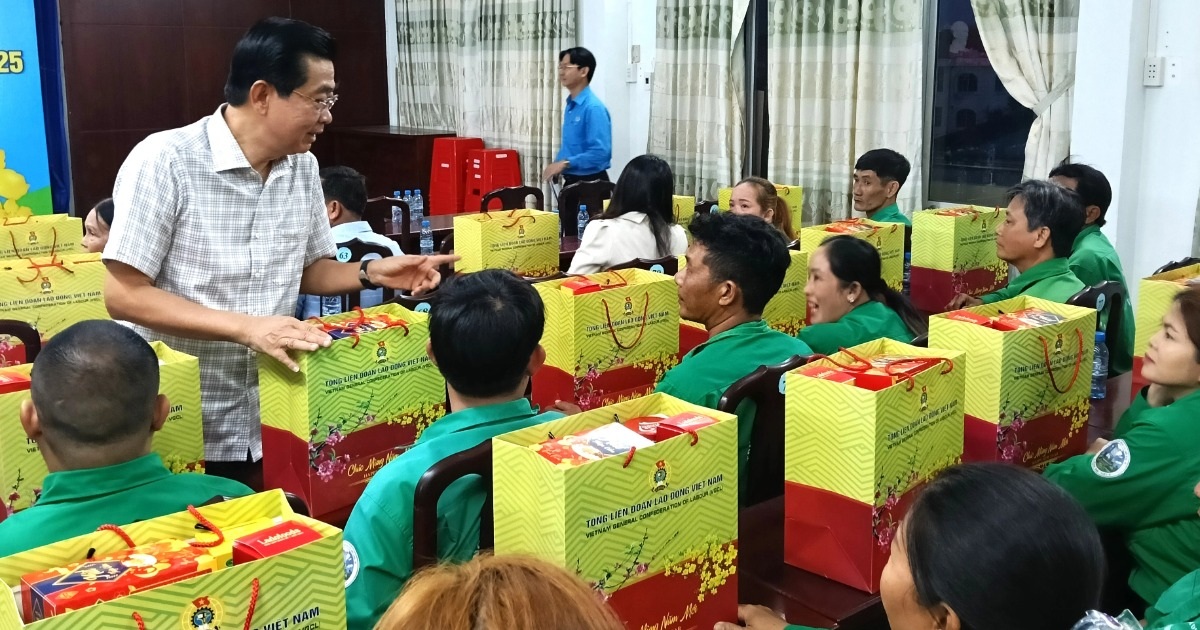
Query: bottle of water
426	238
561	230
417	208
907	273
583	219
408	200
1100	368
397	215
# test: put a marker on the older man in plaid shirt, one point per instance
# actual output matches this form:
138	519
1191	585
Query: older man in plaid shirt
220	224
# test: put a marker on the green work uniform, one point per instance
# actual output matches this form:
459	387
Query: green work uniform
75	502
866	322
1093	260
1140	485
1178	607
704	374
890	214
379	534
1050	280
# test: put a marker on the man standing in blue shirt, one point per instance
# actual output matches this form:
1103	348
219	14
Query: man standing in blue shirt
586	151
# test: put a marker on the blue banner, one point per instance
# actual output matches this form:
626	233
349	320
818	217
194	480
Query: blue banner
24	171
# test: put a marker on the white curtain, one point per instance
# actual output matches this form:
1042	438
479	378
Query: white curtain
844	77
428	75
1031	44
696	105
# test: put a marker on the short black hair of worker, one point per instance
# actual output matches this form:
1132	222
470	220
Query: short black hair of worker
346	186
1050	205
887	164
745	250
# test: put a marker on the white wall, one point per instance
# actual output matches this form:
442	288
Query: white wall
1142	138
609	28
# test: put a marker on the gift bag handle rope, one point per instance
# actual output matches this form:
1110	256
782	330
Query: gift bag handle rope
250	608
613	331
861	365
37	267
200	518
512	214
633	449
353	326
9	220
1050	370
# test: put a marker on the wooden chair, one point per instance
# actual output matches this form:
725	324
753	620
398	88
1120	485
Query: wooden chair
378	215
1108	295
705	206
513	197
592	194
417	304
474	461
764	386
359	251
1176	264
667	264
26	334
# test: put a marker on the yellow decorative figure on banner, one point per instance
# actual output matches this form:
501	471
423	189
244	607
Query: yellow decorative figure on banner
12	187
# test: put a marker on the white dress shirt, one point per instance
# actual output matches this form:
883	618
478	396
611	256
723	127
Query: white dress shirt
610	242
343	233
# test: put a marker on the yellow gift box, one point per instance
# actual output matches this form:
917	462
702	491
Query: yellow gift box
888	238
787	312
1027	397
180	443
259	594
847	483
793	196
40	235
525	242
53	293
1155	294
954	251
653	531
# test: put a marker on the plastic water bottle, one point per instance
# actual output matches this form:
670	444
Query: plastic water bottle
907	273
417	207
1100	368
561	231
397	215
408	200
583	219
426	238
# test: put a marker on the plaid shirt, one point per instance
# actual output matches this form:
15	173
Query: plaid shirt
194	217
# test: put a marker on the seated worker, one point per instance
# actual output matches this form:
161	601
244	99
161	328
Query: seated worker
1043	221
484	337
93	412
848	301
984	547
735	265
1139	484
639	222
879	174
96	226
1093	259
758	197
345	191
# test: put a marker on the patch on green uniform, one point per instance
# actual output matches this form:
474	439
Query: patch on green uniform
1112	461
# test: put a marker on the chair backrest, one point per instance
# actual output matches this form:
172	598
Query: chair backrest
378	215
474	461
359	251
417	304
26	334
513	198
592	194
764	386
1177	264
1108	295
667	264
704	206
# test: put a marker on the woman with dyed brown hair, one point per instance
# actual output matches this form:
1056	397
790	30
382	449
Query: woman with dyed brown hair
758	197
498	593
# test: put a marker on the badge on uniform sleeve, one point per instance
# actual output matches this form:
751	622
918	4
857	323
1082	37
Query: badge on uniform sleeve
350	558
1112	461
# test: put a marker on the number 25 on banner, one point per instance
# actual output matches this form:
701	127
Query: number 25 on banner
11	62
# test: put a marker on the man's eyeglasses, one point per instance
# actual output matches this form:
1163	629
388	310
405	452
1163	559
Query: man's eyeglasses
324	104
561	68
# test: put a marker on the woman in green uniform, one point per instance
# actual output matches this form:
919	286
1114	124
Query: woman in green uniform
984	547
1139	484
848	301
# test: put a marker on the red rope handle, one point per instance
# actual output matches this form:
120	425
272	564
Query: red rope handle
695	436
200	518
629	457
137	618
116	529
612	330
254	590
1050	371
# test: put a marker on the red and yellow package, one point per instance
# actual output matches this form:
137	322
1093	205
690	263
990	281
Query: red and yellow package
827	373
968	316
683	423
603	441
1027	318
580	286
13	382
848	227
273	541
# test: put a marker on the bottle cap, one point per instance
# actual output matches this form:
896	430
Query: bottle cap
1099	335
424	223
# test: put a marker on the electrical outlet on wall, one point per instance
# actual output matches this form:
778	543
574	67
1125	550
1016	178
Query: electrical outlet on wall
1153	71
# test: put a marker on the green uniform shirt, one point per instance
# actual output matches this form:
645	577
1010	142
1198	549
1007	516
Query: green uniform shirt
1050	280
866	322
890	214
379	534
75	502
1141	485
1093	260
1178	606
704	374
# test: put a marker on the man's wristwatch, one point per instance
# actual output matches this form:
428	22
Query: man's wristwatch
362	276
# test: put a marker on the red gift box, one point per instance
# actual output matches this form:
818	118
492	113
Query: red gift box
273	541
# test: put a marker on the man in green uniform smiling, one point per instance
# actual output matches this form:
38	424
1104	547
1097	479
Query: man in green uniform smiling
93	411
1036	235
735	265
484	334
1093	258
879	174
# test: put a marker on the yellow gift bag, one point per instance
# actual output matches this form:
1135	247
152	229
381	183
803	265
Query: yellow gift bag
1027	397
1155	294
180	443
609	336
40	236
53	293
858	443
788	310
793	196
954	251
888	238
654	530
525	242
302	586
351	408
